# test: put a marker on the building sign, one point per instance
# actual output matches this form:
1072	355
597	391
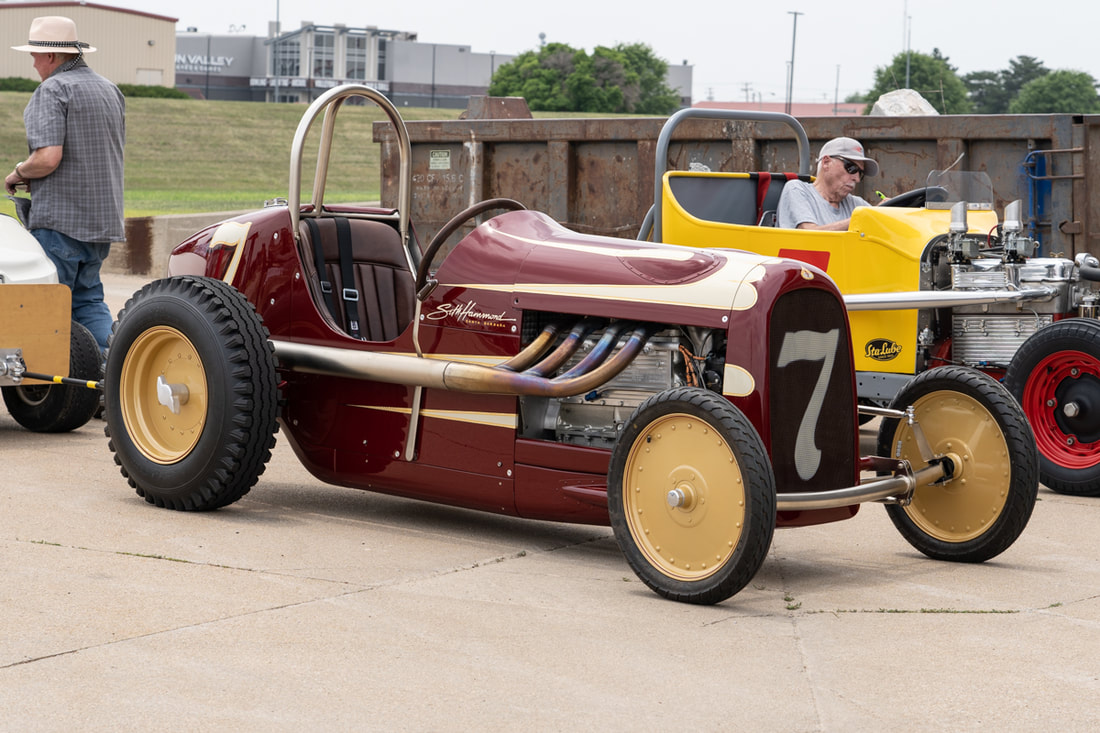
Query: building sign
197	63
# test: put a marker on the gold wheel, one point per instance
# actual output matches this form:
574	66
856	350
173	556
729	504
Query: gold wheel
163	394
962	428
683	497
691	496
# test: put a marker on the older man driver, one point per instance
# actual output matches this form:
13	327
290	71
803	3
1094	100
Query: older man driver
828	202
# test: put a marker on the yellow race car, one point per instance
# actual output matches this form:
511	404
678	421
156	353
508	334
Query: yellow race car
931	276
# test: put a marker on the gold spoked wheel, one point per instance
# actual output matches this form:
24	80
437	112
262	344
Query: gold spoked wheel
691	496
684	497
163	394
973	421
965	431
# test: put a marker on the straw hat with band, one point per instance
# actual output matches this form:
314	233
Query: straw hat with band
54	34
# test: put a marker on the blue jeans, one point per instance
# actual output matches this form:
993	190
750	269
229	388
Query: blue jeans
78	266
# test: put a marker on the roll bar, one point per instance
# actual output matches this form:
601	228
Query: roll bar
735	115
330	102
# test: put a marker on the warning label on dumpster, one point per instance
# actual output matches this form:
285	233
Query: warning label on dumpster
439	160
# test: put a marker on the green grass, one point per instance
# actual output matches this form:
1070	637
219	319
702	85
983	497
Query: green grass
187	156
190	156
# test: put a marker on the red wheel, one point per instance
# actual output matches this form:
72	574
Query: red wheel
1056	377
1053	397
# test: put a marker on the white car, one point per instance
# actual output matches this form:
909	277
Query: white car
38	336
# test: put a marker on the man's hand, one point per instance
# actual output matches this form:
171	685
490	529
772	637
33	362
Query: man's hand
39	164
13	182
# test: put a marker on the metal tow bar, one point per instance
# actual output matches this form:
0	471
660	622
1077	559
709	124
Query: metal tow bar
71	381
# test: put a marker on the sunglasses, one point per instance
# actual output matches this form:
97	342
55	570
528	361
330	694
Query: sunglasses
851	168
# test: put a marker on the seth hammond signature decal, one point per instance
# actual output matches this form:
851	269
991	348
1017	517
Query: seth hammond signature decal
881	349
469	313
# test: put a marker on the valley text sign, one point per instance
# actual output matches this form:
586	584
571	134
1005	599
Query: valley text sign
197	63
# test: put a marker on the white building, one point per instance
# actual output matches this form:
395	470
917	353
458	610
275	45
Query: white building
295	66
298	65
131	47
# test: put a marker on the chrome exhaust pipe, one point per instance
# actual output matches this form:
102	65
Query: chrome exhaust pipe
458	376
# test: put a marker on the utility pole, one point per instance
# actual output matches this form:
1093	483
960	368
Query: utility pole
836	94
908	46
275	51
790	75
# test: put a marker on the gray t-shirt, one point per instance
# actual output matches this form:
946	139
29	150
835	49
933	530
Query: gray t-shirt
800	203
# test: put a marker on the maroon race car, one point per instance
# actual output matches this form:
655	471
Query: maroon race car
693	399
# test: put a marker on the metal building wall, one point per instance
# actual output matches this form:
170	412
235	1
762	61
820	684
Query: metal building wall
131	47
438	74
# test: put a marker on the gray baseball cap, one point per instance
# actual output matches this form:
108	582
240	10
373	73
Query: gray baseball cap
850	149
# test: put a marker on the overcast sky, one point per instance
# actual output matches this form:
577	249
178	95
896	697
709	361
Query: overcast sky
739	49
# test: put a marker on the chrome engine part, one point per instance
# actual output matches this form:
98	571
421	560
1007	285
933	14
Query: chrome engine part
595	419
989	335
993	339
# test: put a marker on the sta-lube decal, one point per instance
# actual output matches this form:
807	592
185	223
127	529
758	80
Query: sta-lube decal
881	349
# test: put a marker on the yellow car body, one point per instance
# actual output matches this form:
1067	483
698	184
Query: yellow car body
880	253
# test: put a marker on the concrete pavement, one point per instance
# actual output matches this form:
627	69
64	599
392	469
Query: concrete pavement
307	606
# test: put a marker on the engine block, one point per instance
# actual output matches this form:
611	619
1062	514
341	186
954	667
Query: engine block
992	339
596	418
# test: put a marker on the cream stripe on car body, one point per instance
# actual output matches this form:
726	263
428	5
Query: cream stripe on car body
489	419
231	234
713	292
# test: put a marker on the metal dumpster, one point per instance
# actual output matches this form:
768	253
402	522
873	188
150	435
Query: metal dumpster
596	175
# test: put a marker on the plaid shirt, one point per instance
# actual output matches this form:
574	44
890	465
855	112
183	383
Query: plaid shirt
85	114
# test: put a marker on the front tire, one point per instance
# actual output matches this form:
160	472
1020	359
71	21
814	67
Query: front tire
191	394
1055	375
974	421
691	496
59	408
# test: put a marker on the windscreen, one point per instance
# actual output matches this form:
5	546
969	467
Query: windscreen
944	189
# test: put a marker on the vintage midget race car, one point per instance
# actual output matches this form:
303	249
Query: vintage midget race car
38	337
930	277
692	399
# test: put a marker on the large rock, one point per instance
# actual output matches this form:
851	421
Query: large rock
902	103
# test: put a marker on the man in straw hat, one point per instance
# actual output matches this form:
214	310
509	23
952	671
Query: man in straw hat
76	130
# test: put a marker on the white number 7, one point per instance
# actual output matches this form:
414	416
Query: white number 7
810	346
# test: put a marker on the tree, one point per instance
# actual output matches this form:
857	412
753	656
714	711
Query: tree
539	77
628	78
1021	70
993	91
987	92
1059	91
930	75
648	75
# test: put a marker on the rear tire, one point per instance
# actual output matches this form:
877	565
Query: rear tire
973	420
59	408
710	541
1056	367
192	396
